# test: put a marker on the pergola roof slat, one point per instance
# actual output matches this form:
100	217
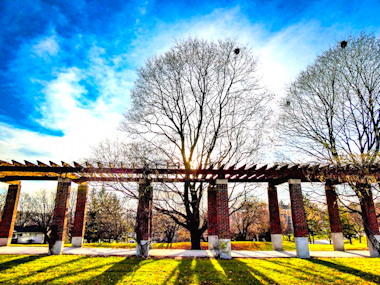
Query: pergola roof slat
274	173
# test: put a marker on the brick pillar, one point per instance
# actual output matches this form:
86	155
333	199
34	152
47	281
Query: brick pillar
299	218
333	210
144	217
80	216
274	216
223	218
369	213
8	219
212	223
59	222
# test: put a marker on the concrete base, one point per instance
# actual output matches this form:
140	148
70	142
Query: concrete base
373	252
213	245
276	241
302	247
5	241
142	248
57	248
338	241
225	248
77	241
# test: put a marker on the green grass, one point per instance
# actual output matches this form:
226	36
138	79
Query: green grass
235	245
66	269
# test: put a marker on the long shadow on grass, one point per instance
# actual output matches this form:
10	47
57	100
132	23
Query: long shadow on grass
199	271
15	262
118	271
286	268
349	270
239	272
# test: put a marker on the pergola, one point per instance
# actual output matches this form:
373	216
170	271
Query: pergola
218	211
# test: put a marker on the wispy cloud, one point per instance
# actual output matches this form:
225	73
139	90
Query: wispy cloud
73	77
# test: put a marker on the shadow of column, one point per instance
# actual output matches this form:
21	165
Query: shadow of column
238	272
348	270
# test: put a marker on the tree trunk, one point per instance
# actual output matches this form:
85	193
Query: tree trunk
195	239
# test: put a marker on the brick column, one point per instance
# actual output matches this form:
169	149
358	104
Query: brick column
59	222
333	210
212	222
223	218
80	216
144	217
8	219
299	218
274	216
369	211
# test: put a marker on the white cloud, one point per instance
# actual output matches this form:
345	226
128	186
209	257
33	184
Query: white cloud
46	47
282	55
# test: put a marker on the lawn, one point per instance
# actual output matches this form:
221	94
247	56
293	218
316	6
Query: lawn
66	269
235	245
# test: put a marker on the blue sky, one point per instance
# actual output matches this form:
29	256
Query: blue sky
67	66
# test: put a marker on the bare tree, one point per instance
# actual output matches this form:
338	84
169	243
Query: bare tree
43	202
332	111
250	220
198	104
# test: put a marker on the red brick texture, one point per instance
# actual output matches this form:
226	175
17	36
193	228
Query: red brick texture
332	207
60	214
80	211
274	212
212	223
369	212
10	211
298	211
223	217
144	211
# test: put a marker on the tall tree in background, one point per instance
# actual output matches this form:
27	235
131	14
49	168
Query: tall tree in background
251	220
107	219
332	112
198	104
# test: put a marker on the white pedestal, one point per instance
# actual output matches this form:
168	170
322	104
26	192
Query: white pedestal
373	252
57	248
276	241
213	245
225	248
76	241
338	241
302	247
142	248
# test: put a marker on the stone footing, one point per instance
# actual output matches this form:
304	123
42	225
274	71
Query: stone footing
213	243
276	241
338	241
77	241
373	252
57	248
142	248
302	247
225	248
